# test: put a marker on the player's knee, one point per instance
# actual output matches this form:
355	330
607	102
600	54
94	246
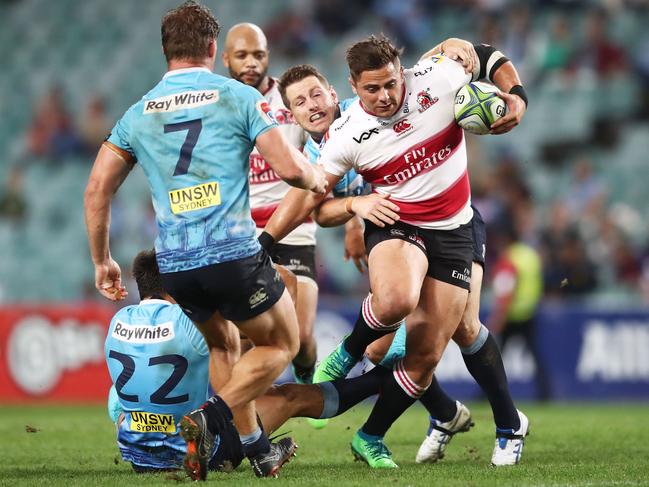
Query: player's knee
375	352
395	306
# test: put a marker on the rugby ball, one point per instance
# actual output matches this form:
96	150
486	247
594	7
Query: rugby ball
477	106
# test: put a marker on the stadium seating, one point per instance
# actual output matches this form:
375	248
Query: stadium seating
111	49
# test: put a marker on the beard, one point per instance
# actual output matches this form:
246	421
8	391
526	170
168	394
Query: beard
255	84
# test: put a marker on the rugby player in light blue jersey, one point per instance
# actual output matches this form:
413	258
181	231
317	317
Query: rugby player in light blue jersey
314	105
192	135
158	363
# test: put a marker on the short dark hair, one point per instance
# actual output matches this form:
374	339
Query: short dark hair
371	54
147	274
295	74
187	31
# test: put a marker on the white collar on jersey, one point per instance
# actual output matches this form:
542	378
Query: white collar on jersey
185	70
154	301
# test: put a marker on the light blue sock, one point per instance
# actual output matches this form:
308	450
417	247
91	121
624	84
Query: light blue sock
331	399
397	348
251	438
477	343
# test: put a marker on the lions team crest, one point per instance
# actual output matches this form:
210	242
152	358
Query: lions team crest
425	100
266	112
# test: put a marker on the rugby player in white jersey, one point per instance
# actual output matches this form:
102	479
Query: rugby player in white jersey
401	136
314	104
246	57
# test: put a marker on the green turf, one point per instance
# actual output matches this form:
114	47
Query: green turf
570	444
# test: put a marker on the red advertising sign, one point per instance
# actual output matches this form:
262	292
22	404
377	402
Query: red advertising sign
54	353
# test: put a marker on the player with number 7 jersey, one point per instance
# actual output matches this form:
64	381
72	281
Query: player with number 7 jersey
192	134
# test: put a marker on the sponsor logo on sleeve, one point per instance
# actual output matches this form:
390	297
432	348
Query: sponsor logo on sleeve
143	333
366	135
196	197
144	422
181	101
423	72
266	112
284	117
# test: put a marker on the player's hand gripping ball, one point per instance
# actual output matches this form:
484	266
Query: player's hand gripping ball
477	106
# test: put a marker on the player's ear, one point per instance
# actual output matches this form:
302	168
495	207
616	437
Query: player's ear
211	48
334	95
353	85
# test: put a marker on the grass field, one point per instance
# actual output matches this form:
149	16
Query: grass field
569	444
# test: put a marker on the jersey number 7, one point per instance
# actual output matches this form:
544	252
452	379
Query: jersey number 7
193	128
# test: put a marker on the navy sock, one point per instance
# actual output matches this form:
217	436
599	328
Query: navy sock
254	443
342	394
366	330
398	393
438	404
485	363
218	414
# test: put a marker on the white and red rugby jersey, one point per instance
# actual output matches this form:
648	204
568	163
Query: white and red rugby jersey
266	187
418	156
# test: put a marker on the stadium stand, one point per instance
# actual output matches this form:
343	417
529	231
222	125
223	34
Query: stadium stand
585	84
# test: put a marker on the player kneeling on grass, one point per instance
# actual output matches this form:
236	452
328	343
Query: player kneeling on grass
158	363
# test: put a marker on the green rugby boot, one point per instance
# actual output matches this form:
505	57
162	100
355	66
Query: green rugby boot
336	366
372	452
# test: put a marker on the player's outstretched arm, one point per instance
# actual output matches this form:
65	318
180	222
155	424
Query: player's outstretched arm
108	173
289	163
296	206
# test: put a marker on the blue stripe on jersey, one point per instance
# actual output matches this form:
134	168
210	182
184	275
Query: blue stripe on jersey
192	135
351	184
158	362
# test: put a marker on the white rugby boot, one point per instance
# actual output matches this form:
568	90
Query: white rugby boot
509	444
439	435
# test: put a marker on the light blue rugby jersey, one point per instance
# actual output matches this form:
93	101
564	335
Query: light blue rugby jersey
351	184
158	362
192	135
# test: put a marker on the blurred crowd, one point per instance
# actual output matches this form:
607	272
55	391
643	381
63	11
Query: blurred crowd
588	241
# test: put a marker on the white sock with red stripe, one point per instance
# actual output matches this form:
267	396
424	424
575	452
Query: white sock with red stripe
405	382
367	329
398	393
